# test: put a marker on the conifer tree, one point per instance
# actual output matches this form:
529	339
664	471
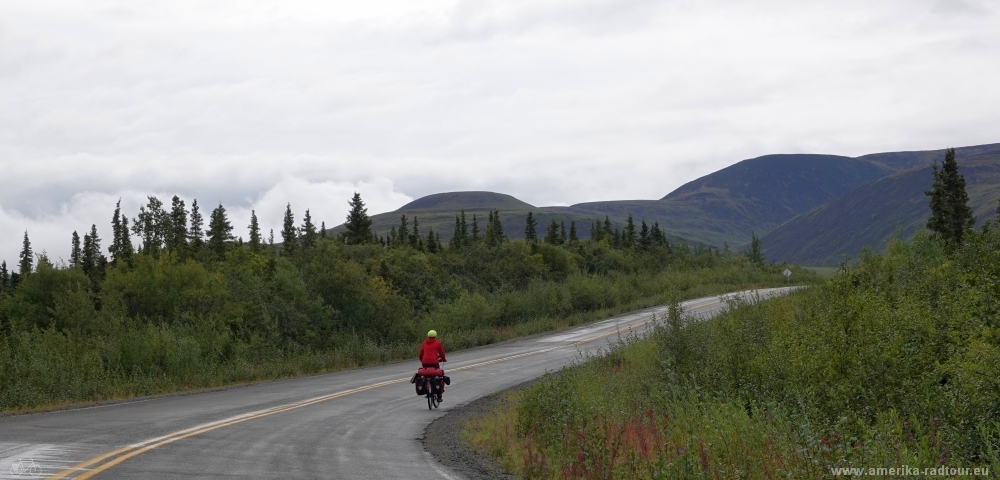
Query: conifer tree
415	240
432	246
403	234
127	249
322	230
254	232
572	232
755	253
456	242
87	254
616	239
220	231
270	241
951	216
658	237
628	236
289	237
562	232
177	240
196	235
359	225
644	236
152	226
475	228
27	256
552	233
74	253
530	231
4	277
92	260
308	231
119	230
494	230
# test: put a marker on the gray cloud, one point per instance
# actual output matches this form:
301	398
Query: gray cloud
555	102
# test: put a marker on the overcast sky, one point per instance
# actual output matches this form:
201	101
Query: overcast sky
553	101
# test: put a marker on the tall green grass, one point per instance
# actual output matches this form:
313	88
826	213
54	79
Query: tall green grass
893	362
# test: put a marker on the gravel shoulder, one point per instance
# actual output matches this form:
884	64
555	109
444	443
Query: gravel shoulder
442	439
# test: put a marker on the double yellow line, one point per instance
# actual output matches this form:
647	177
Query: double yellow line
115	457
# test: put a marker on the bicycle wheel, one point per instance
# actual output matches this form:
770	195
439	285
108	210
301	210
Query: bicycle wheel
430	402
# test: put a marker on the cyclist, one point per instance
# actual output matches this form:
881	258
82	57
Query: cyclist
431	354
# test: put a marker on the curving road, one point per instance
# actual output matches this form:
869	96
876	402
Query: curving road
363	423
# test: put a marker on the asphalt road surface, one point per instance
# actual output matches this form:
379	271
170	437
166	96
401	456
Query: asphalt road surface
363	423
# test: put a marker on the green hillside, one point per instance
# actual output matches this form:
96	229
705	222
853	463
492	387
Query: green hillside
753	195
873	214
845	203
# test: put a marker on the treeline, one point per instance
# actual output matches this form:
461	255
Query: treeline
179	304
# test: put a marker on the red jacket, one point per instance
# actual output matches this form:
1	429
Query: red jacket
430	351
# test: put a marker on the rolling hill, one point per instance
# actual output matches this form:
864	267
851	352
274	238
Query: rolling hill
873	214
810	209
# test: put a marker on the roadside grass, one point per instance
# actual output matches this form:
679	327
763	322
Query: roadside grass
894	362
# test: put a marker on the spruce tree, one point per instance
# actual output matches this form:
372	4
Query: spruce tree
415	240
432	246
196	235
572	232
552	233
628	236
27	256
127	249
289	237
456	241
270	241
308	230
74	253
359	225
4	276
118	231
87	255
562	232
220	232
644	235
951	216
530	228
494	229
254	232
92	260
403	232
755	253
475	228
322	230
177	241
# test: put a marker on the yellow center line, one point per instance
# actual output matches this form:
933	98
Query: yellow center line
145	446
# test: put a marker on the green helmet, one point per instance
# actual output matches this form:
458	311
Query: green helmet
432	333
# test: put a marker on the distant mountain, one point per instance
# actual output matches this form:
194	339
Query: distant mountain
810	209
872	214
456	201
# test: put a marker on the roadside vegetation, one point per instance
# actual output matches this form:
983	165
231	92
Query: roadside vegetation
892	362
189	307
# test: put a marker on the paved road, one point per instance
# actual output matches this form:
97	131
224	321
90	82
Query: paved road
363	423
